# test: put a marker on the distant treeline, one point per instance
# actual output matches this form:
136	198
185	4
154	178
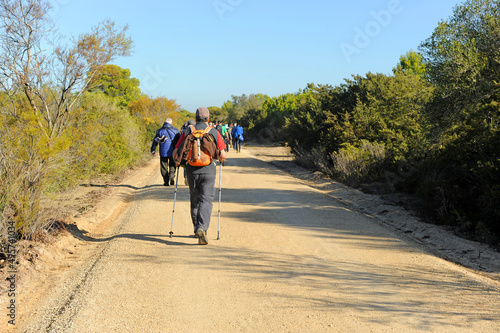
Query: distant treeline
431	128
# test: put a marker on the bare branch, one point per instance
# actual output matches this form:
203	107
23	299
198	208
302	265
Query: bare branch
52	80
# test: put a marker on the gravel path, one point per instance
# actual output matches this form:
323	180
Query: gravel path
291	258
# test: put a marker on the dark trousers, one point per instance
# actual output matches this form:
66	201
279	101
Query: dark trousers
167	168
237	145
202	193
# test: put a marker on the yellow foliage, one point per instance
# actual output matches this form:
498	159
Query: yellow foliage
148	120
155	110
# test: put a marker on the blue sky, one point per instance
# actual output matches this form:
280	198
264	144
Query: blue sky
200	52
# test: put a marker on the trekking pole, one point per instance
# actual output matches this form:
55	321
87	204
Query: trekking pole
175	196
220	191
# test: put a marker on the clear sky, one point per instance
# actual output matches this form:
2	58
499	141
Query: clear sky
200	52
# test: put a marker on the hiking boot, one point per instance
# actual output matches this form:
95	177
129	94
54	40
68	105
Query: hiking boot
202	236
196	235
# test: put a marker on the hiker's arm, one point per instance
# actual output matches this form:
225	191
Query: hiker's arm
222	157
176	139
177	160
154	144
221	146
181	138
179	151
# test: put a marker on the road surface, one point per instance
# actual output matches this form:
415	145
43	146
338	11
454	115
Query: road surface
289	259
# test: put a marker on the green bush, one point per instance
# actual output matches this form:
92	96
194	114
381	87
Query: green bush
108	139
314	159
460	184
24	165
356	165
102	138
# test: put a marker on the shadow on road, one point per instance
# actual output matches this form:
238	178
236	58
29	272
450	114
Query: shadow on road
375	291
160	239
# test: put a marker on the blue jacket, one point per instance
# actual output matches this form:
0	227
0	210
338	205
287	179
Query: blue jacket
238	132
167	137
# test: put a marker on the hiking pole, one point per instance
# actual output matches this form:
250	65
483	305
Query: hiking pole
175	196
220	190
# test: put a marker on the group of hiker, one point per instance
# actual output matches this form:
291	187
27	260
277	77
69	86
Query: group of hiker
195	147
232	134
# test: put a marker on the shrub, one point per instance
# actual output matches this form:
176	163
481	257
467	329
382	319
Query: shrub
314	159
101	138
355	165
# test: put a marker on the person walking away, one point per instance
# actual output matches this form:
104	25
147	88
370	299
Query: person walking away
223	131
201	179
166	137
237	137
185	127
233	134
228	139
231	127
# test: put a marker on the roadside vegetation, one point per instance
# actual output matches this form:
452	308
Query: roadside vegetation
66	114
430	128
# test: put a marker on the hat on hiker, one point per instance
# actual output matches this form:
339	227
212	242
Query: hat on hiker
202	113
191	122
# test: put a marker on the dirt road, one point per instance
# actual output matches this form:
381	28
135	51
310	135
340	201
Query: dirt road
289	259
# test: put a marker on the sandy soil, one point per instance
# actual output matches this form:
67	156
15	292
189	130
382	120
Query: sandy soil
297	253
389	211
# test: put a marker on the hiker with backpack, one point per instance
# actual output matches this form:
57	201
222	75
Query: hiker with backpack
224	132
167	138
228	138
237	137
198	146
183	129
221	129
230	130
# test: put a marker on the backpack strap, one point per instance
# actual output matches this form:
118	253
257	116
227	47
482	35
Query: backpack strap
168	133
206	130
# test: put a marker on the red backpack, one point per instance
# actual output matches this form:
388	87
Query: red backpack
199	156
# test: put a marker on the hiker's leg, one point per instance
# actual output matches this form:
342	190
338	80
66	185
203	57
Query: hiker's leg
194	192
205	200
164	169
171	169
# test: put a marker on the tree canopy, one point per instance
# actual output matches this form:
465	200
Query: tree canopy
117	83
